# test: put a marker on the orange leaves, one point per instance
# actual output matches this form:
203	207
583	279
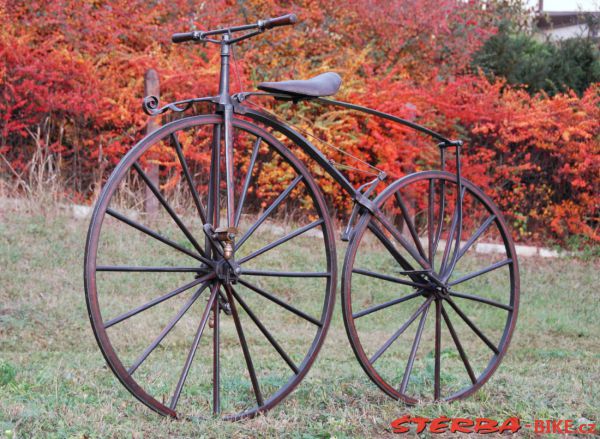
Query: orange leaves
75	69
539	157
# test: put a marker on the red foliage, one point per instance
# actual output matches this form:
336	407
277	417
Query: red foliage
71	76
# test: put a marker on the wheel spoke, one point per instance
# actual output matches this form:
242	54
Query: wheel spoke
194	348
394	252
440	225
473	326
448	245
438	349
267	212
216	358
156	236
402	240
158	300
388	278
168	208
242	199
453	225
188	177
413	351
244	344
450	268
475	236
410	223
386	305
399	332
480	272
280	302
430	219
136	364
281	240
459	347
481	299
459	232
265	332
125	268
286	273
409	272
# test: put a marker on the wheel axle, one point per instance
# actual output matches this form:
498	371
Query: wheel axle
439	292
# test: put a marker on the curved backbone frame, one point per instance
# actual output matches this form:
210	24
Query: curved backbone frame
387	116
240	97
313	152
150	106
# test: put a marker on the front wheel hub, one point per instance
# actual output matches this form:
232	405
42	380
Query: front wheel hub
228	271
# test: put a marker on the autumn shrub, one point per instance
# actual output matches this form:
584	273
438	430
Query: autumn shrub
71	77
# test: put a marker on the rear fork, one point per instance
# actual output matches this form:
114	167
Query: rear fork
364	201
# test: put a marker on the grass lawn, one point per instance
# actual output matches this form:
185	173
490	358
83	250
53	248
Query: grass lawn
54	381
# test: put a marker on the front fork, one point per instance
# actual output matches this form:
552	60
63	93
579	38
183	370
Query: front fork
227	118
215	235
214	201
214	183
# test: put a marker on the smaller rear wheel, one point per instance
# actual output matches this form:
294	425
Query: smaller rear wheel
430	289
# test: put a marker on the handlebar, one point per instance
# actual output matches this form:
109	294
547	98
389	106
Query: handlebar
284	20
185	36
259	26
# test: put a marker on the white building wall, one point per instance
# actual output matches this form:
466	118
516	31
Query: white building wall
563	33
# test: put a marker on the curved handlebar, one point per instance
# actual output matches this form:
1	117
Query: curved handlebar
260	26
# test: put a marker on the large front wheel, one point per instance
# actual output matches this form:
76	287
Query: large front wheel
210	277
430	289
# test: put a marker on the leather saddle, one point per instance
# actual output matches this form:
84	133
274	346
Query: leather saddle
325	84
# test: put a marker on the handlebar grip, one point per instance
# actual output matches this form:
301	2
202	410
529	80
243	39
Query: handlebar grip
284	20
183	37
